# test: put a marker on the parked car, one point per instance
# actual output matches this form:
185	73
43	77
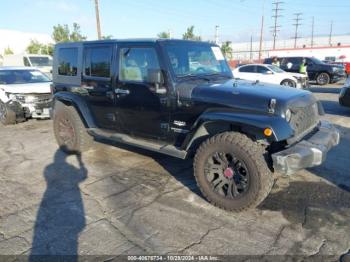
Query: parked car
41	62
24	93
270	74
344	96
317	70
146	93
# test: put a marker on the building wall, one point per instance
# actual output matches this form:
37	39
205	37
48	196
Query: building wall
241	51
18	41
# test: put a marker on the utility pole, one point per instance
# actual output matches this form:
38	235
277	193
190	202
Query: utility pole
261	30
251	48
297	20
330	34
217	34
275	27
98	25
312	31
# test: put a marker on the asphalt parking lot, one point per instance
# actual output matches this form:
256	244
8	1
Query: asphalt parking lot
116	201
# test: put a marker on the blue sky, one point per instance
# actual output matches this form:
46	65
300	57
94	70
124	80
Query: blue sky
238	19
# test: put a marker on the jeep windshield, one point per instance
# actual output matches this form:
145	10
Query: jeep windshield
197	60
13	77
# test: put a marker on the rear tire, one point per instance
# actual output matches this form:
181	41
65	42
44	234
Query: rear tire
323	79
231	172
70	132
7	116
288	82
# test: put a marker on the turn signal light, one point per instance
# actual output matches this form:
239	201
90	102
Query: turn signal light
267	132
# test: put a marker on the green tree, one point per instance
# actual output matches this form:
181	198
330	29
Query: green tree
226	49
8	51
35	47
62	33
189	34
164	35
107	37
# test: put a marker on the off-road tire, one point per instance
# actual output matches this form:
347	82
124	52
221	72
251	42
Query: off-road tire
288	82
7	116
252	154
323	79
82	140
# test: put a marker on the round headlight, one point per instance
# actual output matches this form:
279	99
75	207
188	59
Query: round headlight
288	115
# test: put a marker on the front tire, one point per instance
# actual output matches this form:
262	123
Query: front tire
7	116
231	172
288	82
323	79
70	132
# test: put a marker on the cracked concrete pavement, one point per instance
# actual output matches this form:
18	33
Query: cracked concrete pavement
117	201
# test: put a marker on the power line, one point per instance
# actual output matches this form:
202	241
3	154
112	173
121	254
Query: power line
297	20
276	16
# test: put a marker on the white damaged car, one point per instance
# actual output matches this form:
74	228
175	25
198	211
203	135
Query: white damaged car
270	74
24	93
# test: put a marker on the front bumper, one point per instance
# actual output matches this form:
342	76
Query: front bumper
307	153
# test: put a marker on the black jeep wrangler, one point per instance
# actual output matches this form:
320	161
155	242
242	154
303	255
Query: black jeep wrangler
178	98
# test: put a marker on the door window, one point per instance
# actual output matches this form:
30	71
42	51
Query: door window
135	63
262	69
247	69
98	61
68	61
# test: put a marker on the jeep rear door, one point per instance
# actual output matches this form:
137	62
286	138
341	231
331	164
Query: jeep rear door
140	111
97	81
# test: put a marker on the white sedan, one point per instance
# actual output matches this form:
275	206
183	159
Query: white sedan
270	74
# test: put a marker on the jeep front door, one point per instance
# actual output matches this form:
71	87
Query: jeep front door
141	111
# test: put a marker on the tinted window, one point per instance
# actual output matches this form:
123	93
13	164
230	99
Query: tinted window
98	61
262	69
9	77
247	69
40	61
68	61
135	63
294	60
26	61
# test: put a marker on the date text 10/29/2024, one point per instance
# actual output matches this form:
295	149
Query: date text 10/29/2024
172	258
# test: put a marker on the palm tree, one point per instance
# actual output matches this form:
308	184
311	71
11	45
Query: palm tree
226	49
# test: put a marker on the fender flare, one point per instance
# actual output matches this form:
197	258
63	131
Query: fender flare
80	105
251	124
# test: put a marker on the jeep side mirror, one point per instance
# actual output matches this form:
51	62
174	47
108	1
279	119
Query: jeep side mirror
156	78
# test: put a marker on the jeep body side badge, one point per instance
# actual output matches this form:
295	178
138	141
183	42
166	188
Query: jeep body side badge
272	105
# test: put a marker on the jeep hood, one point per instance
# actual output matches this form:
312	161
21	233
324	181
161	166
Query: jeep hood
32	88
250	96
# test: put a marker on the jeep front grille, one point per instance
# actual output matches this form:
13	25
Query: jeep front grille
304	118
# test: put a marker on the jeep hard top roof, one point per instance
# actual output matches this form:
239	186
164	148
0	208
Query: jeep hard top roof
136	41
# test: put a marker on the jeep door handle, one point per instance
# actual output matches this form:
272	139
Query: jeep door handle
122	91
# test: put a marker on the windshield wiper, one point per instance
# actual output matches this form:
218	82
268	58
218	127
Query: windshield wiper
194	76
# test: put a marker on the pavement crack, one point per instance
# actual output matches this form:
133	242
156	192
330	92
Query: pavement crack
199	241
129	236
305	217
277	238
319	248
